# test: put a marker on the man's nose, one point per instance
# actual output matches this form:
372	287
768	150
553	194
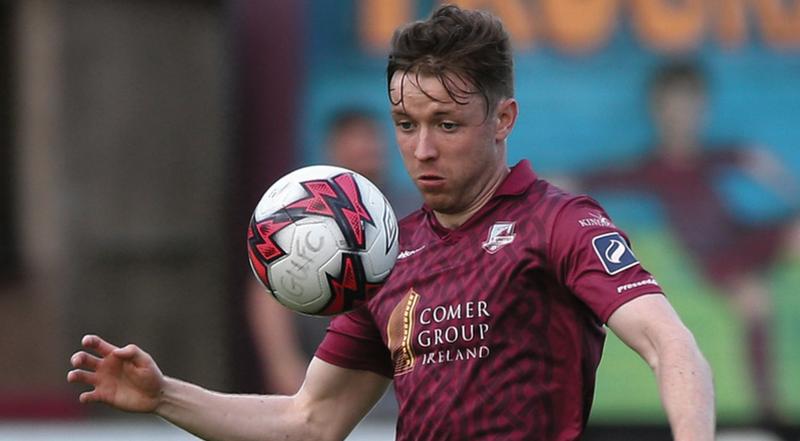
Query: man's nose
425	148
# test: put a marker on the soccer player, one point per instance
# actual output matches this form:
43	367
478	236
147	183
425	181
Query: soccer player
491	325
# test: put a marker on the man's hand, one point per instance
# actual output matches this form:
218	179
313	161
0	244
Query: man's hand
330	403
126	378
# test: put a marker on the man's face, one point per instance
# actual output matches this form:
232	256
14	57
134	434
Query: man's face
450	150
679	112
360	147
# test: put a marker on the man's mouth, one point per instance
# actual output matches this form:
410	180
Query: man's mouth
429	178
430	182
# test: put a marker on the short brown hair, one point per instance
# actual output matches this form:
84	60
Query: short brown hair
347	117
681	73
473	46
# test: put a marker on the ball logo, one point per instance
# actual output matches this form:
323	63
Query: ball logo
390	225
613	252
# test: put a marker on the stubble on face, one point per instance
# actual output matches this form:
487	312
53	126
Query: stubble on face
448	146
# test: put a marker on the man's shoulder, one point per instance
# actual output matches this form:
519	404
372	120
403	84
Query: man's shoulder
559	209
548	199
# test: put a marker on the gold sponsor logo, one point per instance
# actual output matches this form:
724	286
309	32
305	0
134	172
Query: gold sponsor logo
400	330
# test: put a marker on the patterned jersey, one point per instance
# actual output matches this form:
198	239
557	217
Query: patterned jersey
494	330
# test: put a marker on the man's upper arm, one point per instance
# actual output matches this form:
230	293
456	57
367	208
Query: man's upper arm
593	259
337	398
647	323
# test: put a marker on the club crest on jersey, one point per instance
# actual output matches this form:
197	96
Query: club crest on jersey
614	253
500	235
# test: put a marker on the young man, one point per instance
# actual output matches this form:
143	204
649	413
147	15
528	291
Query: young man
491	324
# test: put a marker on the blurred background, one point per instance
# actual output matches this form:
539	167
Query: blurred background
137	136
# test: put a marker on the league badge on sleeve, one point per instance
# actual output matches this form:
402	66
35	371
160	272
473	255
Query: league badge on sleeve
614	253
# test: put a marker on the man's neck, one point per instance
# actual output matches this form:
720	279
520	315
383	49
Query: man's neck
680	154
455	220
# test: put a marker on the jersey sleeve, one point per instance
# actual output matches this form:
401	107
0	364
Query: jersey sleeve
594	260
353	341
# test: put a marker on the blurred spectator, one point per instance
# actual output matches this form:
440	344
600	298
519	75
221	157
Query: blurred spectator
286	341
355	141
732	254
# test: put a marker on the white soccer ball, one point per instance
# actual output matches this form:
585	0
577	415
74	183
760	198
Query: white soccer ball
322	240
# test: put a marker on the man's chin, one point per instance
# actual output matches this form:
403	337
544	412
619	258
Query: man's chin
440	204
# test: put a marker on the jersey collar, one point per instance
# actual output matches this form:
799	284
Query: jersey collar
518	180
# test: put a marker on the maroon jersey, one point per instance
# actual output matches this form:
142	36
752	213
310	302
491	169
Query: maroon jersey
494	330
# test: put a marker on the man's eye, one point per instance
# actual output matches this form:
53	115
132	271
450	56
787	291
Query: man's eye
448	126
404	125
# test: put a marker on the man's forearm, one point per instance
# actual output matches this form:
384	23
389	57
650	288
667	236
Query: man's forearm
687	390
214	416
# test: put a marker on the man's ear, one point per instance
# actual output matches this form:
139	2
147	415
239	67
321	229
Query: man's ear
506	114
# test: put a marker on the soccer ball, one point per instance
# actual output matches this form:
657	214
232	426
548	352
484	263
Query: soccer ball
322	240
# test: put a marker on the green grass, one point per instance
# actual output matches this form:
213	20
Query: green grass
626	387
